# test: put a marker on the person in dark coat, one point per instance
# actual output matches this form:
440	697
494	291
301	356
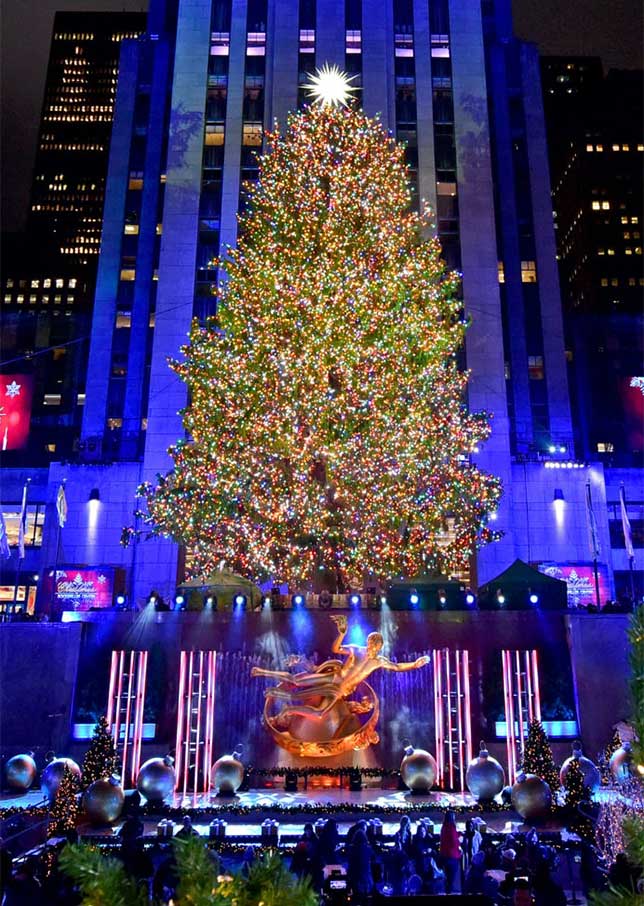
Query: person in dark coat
359	871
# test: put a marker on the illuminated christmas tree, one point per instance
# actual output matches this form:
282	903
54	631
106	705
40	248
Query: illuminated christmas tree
328	438
63	813
537	756
101	760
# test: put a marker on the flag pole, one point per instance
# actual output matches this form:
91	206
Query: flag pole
59	528
21	542
628	539
594	541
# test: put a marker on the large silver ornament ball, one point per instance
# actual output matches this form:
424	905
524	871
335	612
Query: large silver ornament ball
621	763
103	801
485	777
227	775
53	774
531	797
592	777
418	770
156	779
20	772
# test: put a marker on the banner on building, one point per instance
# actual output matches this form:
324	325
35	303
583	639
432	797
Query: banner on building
16	394
580	579
84	589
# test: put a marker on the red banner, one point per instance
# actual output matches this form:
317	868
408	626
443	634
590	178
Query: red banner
16	392
580	579
82	589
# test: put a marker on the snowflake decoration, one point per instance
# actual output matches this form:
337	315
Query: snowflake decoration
13	389
101	579
638	382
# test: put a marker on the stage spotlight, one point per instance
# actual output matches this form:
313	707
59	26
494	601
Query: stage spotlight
500	597
442	597
120	600
153	599
552	449
325	600
534	599
383	600
266	602
211	602
469	599
413	598
355	600
297	601
36	577
240	602
179	601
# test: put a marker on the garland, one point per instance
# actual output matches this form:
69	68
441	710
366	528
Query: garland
322	772
30	811
320	808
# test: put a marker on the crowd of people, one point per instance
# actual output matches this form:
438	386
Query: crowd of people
508	870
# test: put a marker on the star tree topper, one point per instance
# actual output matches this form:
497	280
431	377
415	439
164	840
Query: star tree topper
330	87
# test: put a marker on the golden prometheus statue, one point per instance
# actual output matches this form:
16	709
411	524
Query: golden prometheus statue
313	713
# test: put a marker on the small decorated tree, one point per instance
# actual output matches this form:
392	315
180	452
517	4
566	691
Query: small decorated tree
101	760
63	814
537	756
604	760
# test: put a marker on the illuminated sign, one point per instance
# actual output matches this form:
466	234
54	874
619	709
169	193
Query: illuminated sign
580	580
82	589
16	392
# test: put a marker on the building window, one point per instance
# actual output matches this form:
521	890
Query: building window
214	134
535	367
52	399
604	281
501	270
595	205
123	319
35	520
528	272
252	135
605	447
131	229
135	183
80	399
590	148
605	205
128	274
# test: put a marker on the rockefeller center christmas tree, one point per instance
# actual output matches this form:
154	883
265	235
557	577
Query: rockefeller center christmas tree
328	437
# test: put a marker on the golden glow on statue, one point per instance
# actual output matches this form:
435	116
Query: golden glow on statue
313	714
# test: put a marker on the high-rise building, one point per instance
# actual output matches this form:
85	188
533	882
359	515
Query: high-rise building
194	98
596	140
49	273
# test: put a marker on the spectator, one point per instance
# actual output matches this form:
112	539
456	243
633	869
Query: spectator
404	832
398	867
420	850
450	850
359	871
327	841
187	830
546	891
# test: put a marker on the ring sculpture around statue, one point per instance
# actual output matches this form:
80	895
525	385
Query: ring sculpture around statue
328	709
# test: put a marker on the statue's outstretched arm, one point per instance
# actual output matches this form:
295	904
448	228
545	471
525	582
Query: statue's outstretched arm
340	621
406	666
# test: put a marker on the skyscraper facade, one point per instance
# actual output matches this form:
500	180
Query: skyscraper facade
194	98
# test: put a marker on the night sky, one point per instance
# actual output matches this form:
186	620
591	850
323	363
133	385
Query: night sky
612	30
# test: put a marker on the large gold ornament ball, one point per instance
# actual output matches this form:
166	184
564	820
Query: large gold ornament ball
20	772
418	770
621	763
53	774
156	779
227	775
592	777
103	801
531	797
485	777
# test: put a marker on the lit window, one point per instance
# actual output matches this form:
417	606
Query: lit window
614	281
51	448
152	320
9	283
45	300
595	205
501	271
135	184
605	205
20	299
615	147
72	283
627	251
446	188
252	135
626	148
123	319
7	297
528	272
159	229
35	284
113	423
601	252
638	250
128	273
535	367
604	281
635	220
52	399
46	283
599	148
58	300
59	283
610	251
33	299
131	229
624	219
627	235
589	148
80	399
632	281
214	134
606	447
34	524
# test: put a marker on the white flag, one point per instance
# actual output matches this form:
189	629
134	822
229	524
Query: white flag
23	524
593	535
5	553
626	524
61	506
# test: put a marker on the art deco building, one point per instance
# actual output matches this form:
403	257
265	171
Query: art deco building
194	97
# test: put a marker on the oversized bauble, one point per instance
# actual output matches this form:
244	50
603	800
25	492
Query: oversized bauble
531	797
592	778
621	762
156	780
227	775
20	772
53	774
418	770
485	777
103	801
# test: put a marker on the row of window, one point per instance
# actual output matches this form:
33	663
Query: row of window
33	299
627	251
614	281
58	282
615	147
528	272
35	520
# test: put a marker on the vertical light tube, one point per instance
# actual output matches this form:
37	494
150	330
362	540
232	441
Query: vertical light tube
437	714
517	665
459	719
188	727
140	701
117	718
180	704
110	694
507	693
198	739
535	683
448	685
210	690
128	707
528	679
468	705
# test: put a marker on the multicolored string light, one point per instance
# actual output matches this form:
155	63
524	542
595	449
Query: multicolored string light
329	439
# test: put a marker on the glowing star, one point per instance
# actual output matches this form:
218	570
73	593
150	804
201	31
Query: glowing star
101	580
13	389
330	87
638	382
